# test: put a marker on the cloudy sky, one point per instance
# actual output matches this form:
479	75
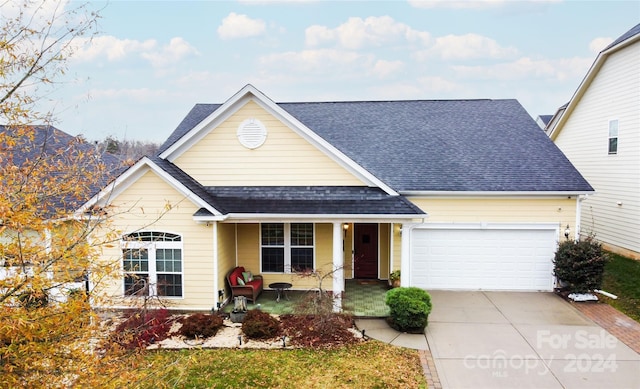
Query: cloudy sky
153	60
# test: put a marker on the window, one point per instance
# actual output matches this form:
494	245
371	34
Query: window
613	136
152	263
286	248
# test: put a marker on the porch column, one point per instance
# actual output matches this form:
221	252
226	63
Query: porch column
216	287
338	267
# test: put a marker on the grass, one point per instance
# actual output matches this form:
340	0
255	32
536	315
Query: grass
622	278
371	364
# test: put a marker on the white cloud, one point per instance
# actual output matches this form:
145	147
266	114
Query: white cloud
174	52
139	94
436	86
457	4
358	33
316	61
110	47
528	69
598	44
473	4
240	26
468	46
114	49
385	69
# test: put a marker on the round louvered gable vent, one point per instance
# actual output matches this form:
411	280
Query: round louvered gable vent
252	133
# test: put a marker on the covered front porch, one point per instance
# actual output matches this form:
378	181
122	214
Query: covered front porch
362	298
283	233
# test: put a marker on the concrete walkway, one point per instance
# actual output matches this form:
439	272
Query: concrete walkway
510	339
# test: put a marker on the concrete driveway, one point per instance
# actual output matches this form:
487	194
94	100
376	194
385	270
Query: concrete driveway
523	340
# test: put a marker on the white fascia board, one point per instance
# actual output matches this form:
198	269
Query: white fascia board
490	194
133	174
586	81
250	93
208	219
259	217
194	135
252	217
488	226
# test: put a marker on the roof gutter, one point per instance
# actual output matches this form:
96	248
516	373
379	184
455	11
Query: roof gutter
496	194
318	218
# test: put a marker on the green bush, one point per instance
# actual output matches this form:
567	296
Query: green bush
200	325
410	308
580	264
260	325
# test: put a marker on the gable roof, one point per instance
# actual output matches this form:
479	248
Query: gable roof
50	148
189	133
431	146
630	37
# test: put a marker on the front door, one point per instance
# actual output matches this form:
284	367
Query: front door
366	251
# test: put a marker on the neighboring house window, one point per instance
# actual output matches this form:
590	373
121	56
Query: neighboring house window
613	136
152	263
286	248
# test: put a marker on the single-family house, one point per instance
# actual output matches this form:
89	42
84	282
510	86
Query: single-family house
599	131
457	194
46	175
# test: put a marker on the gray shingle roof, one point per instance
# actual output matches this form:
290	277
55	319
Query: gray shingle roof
332	200
635	30
436	145
195	116
58	149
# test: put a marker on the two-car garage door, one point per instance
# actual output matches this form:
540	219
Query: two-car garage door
483	257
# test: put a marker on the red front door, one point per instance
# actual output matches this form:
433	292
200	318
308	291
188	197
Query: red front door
366	251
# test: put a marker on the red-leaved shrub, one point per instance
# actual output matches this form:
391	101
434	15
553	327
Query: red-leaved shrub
260	325
200	325
142	328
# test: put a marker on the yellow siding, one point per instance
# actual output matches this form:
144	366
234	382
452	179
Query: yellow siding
397	246
284	159
226	253
249	247
348	252
384	250
560	210
249	256
151	203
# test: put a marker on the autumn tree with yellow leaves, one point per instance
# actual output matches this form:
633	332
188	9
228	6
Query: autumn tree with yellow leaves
49	335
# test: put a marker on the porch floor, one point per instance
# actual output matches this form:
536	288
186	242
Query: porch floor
362	299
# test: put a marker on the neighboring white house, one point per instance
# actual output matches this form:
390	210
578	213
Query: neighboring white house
599	131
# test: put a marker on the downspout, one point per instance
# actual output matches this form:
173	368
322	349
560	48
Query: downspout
579	201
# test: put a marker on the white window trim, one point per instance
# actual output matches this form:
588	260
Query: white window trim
287	247
151	248
617	137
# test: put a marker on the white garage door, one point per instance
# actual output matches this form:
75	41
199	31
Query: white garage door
489	258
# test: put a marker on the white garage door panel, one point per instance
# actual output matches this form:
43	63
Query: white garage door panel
489	259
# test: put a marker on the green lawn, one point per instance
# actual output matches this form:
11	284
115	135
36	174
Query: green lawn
371	364
622	278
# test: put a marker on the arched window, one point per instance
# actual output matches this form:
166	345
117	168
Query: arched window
152	264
